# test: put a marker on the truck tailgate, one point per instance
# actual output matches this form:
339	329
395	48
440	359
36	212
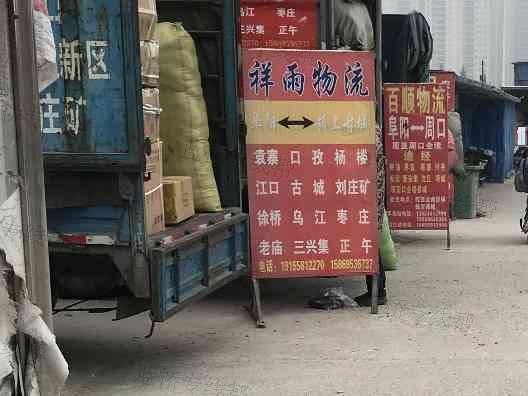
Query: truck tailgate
194	259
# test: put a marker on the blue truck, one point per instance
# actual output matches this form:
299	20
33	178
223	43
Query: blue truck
94	145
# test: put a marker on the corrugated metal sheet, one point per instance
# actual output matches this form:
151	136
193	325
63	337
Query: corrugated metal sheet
520	70
480	90
490	124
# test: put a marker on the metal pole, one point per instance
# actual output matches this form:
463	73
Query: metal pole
448	237
374	295
323	28
379	64
256	309
379	119
331	24
32	198
449	226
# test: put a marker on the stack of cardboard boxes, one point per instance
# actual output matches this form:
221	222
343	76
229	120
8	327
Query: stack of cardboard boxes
168	200
153	185
149	46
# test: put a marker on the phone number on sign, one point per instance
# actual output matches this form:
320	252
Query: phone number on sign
303	265
359	265
352	264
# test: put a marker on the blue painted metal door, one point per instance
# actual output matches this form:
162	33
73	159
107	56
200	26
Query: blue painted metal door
90	116
92	133
93	143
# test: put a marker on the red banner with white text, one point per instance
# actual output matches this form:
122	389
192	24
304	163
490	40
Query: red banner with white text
311	162
416	145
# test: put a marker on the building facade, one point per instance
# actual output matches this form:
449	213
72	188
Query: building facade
476	38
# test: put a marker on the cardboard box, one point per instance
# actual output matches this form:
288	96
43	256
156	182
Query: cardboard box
149	53
153	167
151	113
151	97
178	198
147	4
147	19
151	122
154	215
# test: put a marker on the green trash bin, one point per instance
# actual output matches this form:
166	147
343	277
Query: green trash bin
467	193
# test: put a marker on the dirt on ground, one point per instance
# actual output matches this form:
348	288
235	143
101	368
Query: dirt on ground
456	324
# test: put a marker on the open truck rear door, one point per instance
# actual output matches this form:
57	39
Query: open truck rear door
93	143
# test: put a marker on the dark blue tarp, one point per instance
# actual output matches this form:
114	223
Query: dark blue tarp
489	124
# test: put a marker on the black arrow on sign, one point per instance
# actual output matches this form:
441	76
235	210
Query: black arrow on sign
305	123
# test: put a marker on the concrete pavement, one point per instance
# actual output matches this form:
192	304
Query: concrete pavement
456	324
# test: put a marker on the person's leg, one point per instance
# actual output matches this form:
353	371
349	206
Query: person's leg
364	300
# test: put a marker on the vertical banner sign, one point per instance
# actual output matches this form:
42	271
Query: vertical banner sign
311	162
448	79
416	144
85	109
290	24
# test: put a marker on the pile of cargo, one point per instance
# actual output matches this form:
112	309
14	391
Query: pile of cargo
149	46
153	185
185	128
168	200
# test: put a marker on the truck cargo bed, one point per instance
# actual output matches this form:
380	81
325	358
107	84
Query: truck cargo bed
195	258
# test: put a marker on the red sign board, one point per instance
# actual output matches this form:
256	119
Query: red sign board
416	144
290	24
311	162
449	80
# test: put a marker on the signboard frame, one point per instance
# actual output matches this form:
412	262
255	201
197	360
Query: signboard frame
285	119
415	119
448	78
295	24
